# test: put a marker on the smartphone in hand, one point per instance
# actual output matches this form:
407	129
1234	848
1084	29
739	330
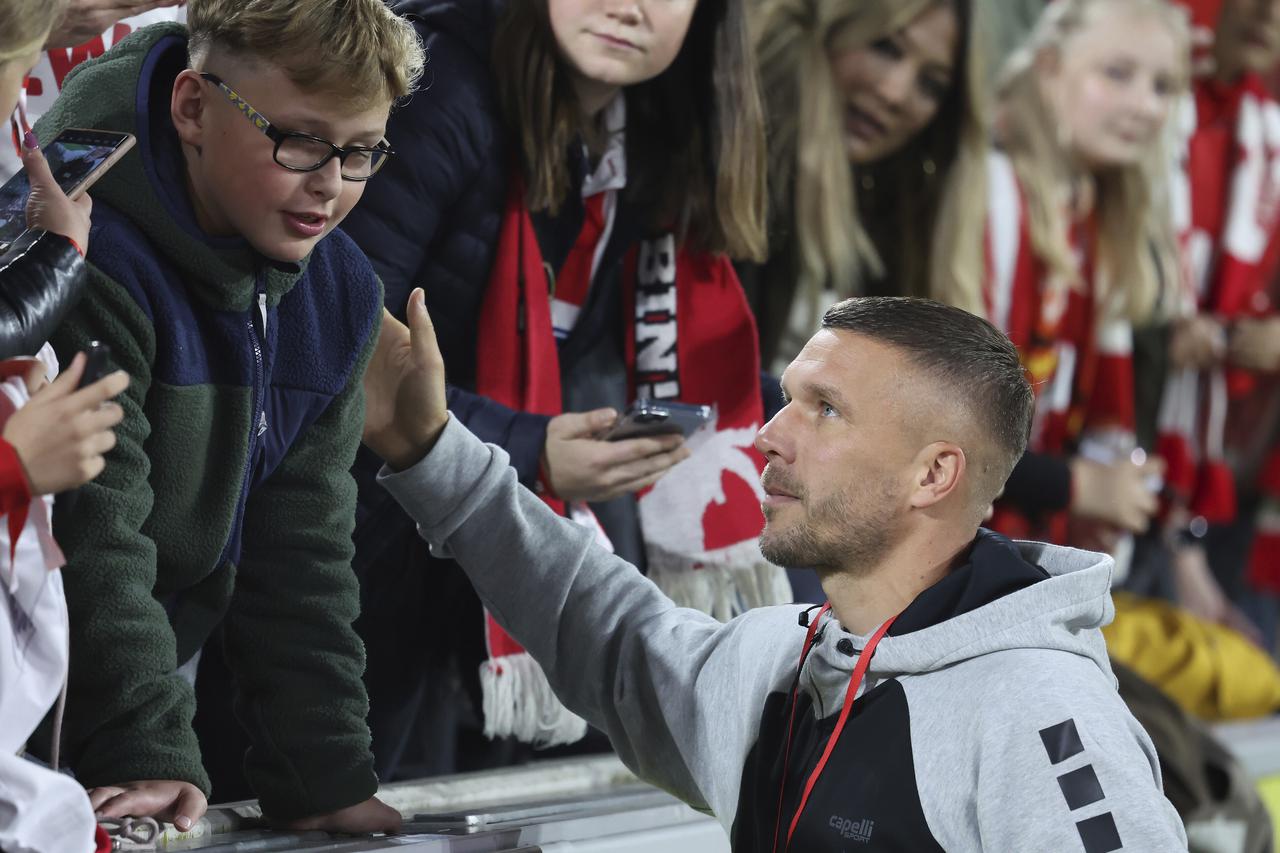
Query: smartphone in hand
659	417
97	363
77	158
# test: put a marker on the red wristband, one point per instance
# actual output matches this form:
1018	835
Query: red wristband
76	245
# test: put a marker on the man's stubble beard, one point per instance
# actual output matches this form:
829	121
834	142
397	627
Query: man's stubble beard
846	531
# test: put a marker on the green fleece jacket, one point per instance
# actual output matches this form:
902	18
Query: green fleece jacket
228	498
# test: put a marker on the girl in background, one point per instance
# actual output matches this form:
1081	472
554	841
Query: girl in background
1079	242
876	144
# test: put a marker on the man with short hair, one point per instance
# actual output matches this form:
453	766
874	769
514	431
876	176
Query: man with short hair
953	695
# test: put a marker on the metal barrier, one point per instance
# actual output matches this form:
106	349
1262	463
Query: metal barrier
591	805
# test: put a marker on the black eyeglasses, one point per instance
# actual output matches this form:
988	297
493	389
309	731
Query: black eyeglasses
302	152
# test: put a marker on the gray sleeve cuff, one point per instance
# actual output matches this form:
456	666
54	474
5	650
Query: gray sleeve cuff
440	492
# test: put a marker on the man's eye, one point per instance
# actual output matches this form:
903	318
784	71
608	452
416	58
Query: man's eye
828	411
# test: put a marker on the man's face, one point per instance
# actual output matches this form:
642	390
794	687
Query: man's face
839	456
241	190
1248	35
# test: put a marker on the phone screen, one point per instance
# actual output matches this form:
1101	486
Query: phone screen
72	158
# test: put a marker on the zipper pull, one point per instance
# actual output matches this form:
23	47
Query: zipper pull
262	311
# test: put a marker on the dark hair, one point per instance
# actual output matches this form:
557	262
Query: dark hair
962	352
695	133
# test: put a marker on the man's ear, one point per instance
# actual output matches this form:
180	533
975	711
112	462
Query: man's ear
187	107
940	466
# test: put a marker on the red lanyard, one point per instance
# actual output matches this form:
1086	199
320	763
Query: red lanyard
855	681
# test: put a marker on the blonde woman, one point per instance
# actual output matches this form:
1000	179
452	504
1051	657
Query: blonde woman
1079	241
875	137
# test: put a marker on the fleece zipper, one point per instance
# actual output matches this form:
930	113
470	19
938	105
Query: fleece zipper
258	416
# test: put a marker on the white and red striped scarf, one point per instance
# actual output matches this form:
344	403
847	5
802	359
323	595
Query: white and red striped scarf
1227	212
1080	369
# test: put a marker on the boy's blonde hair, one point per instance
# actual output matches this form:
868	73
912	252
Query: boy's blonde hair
25	25
1136	247
930	213
349	48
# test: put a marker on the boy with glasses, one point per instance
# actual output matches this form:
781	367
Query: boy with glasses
247	323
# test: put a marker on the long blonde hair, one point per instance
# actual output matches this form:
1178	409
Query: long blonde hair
1136	246
25	25
812	183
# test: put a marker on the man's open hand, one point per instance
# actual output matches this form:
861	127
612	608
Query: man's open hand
405	405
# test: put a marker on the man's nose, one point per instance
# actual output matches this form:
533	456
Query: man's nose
773	439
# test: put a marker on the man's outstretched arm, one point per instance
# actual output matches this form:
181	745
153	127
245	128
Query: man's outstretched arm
677	692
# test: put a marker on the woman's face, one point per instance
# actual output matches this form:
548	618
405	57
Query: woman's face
615	43
893	87
1111	86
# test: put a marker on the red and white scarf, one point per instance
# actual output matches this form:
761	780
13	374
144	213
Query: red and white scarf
690	337
1227	211
1080	368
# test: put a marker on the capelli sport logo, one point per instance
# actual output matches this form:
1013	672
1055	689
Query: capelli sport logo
856	830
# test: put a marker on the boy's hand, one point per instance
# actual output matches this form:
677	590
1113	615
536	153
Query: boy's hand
48	207
85	19
372	815
61	434
405	404
179	803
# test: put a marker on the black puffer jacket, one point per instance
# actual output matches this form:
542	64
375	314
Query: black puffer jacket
431	217
41	279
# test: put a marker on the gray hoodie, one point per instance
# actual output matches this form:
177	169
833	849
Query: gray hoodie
989	718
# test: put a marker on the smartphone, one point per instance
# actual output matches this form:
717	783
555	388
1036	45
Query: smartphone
77	158
97	363
659	417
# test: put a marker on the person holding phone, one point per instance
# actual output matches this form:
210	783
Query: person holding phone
87	28
53	437
613	160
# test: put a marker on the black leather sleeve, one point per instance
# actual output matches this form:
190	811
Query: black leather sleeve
42	277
